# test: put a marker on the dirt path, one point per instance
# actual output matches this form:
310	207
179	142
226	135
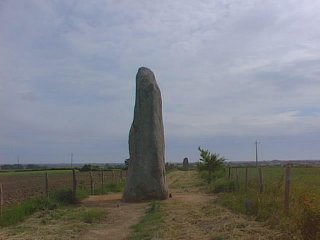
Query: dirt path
189	214
121	216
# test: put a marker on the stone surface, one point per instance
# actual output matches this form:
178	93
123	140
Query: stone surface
185	163
146	174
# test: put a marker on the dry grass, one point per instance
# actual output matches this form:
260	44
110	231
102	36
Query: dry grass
195	216
302	220
62	223
192	214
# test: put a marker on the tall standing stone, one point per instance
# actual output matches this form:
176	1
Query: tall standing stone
185	163
146	174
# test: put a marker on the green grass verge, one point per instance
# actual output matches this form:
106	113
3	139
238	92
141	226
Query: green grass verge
110	188
269	205
149	226
19	212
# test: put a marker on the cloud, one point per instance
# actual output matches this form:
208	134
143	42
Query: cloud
228	69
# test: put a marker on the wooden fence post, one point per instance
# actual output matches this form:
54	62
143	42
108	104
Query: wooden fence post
113	176
229	174
232	173
260	180
74	183
102	182
1	199
46	184
287	189
246	180
237	179
91	184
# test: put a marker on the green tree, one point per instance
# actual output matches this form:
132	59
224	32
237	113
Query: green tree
210	162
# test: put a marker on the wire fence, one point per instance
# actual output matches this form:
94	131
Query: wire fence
17	188
289	193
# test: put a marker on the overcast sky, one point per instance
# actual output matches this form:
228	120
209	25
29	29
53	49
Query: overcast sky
230	72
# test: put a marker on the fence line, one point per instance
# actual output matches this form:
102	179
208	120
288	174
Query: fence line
1	199
260	181
287	190
285	181
46	184
15	189
246	180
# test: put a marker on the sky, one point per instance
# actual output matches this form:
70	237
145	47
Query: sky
230	72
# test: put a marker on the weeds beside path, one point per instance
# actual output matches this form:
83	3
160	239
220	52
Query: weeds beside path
192	214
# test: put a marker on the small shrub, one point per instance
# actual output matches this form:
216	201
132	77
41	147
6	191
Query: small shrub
212	163
64	196
224	185
81	194
92	215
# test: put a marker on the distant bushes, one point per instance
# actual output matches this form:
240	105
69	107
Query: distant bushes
89	167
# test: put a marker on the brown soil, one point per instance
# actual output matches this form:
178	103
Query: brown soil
121	216
18	188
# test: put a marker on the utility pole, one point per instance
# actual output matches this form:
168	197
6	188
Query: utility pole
256	143
71	159
18	159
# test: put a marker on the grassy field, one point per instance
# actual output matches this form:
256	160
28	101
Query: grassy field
304	211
